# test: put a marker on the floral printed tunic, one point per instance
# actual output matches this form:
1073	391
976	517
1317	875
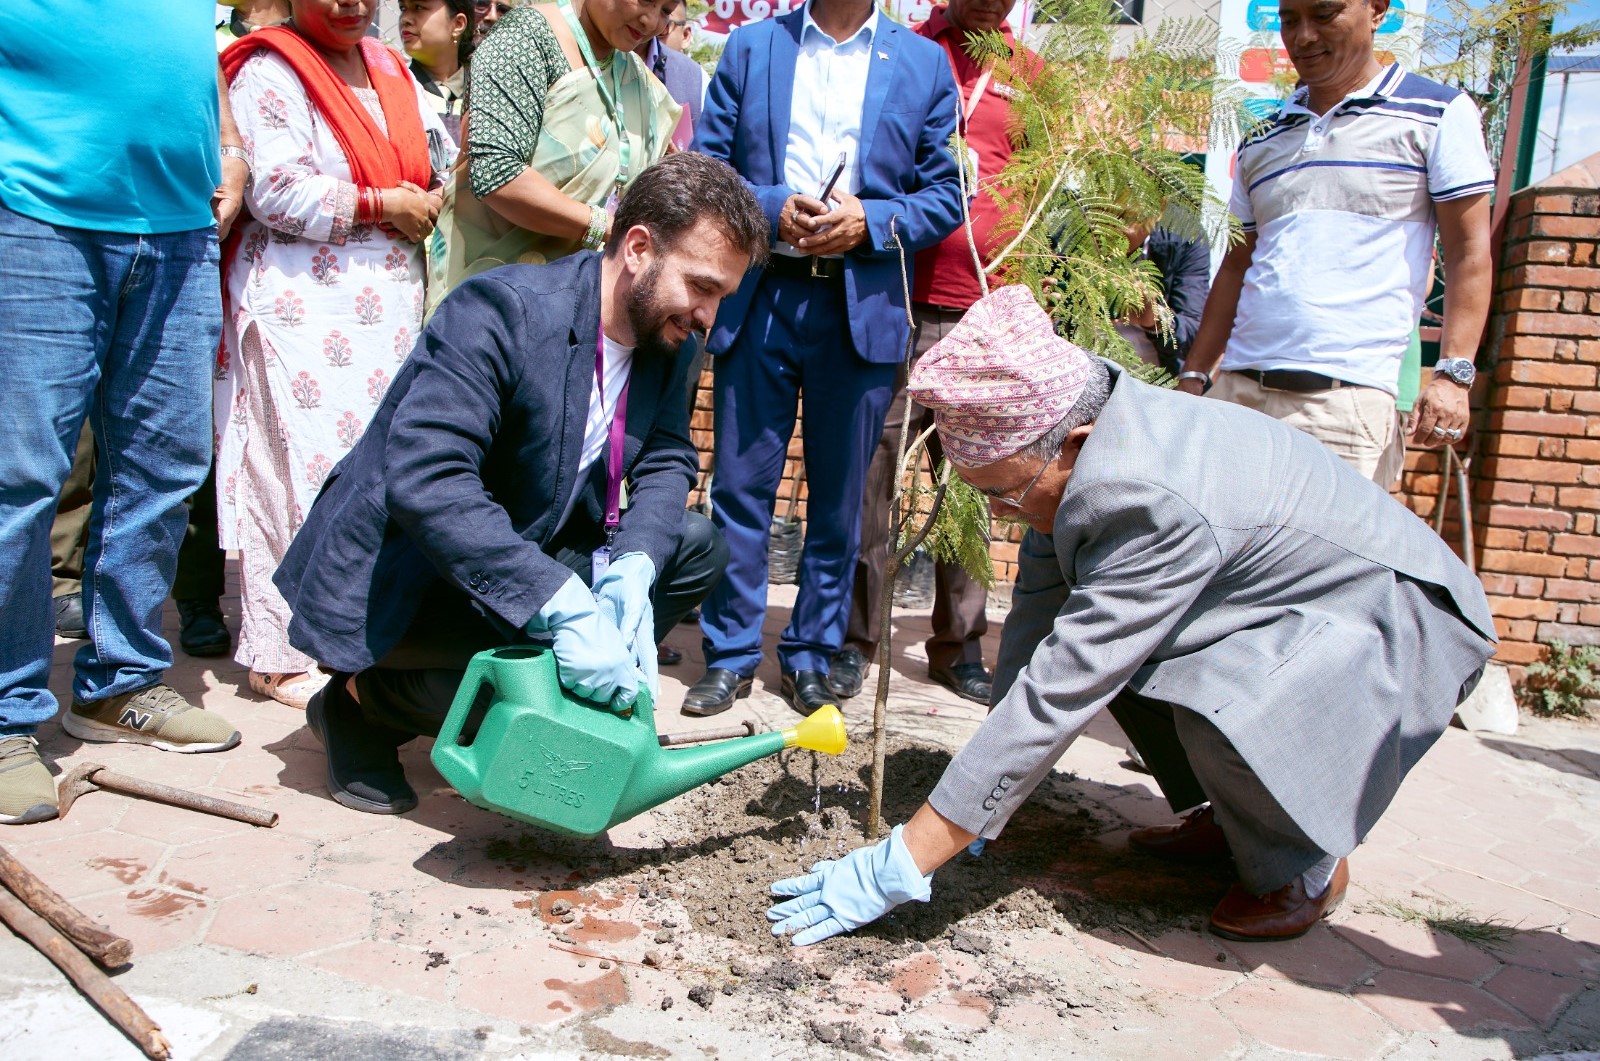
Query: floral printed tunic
337	305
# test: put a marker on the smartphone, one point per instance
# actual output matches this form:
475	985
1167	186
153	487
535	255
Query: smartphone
833	178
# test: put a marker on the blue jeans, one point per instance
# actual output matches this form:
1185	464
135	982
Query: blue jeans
122	329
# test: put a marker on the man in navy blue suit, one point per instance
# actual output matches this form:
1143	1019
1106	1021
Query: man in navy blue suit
483	506
825	322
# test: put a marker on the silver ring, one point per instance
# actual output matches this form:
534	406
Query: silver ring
1441	432
1453	434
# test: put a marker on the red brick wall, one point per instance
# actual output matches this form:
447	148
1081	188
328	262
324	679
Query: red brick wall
1536	474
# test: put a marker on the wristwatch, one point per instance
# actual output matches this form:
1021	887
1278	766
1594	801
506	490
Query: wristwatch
1458	369
1203	377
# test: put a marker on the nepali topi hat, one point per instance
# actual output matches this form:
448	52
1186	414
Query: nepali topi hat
1001	379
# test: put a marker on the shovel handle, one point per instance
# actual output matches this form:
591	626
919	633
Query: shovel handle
177	797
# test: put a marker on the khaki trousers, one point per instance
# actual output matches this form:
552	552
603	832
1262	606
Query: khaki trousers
1360	424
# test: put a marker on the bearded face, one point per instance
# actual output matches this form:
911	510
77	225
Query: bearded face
657	329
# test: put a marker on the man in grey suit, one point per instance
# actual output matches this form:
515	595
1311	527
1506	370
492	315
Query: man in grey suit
1281	641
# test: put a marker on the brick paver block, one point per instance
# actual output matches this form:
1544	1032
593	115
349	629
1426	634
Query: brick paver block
403	970
1187	967
1415	947
1413	1002
93	863
1540	995
1320	958
153	916
1173	1028
377	861
245	862
1470	857
1292	1016
292	919
536	984
261	777
445	917
1551	950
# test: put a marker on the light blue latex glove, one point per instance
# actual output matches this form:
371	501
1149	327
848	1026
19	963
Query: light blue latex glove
842	896
590	655
623	594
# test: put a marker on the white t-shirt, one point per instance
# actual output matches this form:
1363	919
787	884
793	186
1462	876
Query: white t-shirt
1342	208
603	404
618	362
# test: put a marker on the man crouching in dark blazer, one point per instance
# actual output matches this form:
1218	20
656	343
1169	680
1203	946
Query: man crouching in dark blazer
479	508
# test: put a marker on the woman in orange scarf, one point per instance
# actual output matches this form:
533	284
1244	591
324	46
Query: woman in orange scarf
323	288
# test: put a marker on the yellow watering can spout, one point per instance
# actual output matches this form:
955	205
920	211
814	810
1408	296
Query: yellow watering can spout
822	731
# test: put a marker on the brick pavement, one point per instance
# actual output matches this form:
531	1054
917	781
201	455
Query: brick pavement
340	934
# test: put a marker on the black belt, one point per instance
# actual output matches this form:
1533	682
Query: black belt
1293	379
807	268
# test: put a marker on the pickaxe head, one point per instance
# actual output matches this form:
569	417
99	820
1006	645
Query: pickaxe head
74	783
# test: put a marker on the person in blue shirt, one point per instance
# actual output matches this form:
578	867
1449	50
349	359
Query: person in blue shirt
110	310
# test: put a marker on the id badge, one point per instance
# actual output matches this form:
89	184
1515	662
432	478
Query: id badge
602	562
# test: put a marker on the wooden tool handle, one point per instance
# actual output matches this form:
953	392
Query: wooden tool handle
109	950
96	986
222	808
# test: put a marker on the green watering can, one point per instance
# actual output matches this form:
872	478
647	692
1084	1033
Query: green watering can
546	757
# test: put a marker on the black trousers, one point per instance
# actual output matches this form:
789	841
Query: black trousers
409	692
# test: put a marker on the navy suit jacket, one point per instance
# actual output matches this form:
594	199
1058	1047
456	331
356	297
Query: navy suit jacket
907	171
469	463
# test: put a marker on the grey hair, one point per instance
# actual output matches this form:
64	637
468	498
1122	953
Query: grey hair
1084	411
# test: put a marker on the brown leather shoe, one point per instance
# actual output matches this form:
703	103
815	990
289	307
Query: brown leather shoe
1287	913
1197	838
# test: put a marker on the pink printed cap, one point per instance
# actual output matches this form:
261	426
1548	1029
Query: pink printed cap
1000	379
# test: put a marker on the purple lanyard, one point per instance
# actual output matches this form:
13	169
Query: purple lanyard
619	422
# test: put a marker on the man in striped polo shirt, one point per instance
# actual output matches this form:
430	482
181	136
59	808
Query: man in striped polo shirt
1340	197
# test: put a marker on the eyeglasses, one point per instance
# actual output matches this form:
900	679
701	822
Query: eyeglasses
1016	502
484	6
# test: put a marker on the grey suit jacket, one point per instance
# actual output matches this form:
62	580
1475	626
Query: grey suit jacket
1212	557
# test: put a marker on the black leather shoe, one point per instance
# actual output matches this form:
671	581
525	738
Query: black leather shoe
667	656
847	672
201	631
805	690
364	771
69	617
716	691
970	681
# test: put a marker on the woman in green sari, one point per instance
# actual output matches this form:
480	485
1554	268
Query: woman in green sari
561	117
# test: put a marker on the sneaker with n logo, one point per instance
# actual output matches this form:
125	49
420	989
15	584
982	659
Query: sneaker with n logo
155	715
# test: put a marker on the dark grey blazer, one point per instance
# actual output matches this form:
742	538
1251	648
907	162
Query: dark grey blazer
1214	558
467	467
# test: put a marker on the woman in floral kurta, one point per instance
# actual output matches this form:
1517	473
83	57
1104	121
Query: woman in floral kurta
322	311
